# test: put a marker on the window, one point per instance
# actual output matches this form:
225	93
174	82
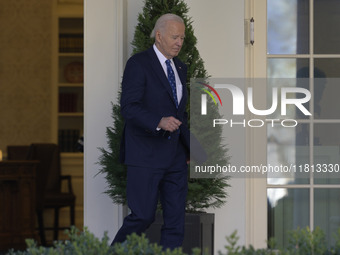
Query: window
303	38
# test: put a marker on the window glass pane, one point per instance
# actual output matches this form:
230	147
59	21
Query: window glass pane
288	28
326	27
288	209
326	153
287	110
288	147
287	68
327	67
326	98
327	212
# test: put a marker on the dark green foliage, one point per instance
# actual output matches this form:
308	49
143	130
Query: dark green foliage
305	241
202	193
302	242
85	243
207	192
109	159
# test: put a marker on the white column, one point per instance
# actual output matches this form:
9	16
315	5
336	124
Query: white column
220	42
104	54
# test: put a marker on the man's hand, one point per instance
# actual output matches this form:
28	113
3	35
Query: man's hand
169	124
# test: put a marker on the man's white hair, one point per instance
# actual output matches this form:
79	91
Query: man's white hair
162	20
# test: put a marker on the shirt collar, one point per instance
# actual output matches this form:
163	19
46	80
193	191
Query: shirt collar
160	55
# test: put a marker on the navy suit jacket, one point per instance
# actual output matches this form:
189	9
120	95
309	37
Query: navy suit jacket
146	98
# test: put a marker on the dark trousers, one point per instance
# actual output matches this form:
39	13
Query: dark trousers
144	187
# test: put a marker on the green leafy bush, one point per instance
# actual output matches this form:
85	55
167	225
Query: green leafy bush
301	242
85	243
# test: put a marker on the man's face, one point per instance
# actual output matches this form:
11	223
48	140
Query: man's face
170	41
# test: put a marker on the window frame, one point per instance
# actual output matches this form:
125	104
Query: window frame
256	67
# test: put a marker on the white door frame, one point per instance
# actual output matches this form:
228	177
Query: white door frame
256	149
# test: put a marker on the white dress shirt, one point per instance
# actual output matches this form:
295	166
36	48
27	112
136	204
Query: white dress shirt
162	60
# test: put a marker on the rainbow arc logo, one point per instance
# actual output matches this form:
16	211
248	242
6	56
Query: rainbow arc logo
209	93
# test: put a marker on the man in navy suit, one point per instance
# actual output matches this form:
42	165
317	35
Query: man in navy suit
155	145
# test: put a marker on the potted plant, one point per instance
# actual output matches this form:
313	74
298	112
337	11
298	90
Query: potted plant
203	193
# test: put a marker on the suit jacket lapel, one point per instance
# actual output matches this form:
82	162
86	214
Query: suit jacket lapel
157	67
181	70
